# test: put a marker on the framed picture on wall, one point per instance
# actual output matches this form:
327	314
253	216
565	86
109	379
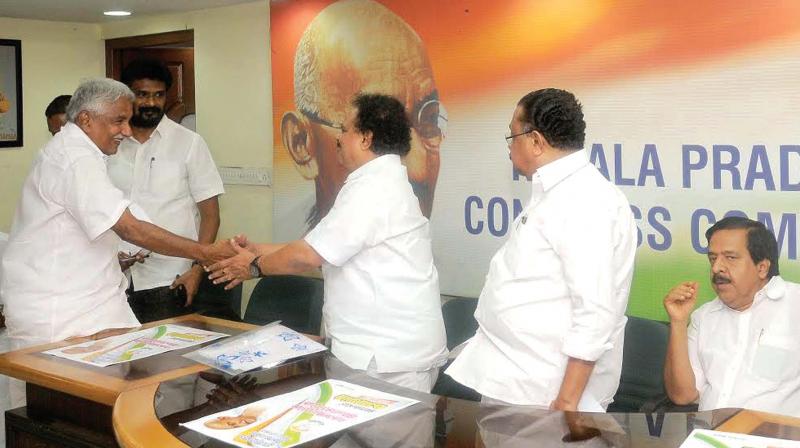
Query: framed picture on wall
10	93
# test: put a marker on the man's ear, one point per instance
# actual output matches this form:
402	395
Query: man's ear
299	142
763	268
366	141
83	120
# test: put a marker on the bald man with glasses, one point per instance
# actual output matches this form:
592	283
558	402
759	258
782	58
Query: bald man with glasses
374	51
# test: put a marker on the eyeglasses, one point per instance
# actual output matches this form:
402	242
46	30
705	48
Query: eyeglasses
510	136
144	95
429	120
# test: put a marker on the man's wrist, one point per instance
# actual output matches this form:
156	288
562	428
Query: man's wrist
255	267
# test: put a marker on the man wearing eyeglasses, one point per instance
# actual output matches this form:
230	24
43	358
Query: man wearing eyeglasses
552	311
353	46
382	308
168	171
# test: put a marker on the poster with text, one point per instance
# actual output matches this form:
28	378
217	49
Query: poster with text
691	109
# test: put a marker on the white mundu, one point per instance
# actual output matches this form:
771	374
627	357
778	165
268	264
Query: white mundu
167	176
558	288
381	286
749	359
60	274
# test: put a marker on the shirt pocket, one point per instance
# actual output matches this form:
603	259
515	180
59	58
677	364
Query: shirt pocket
167	179
776	358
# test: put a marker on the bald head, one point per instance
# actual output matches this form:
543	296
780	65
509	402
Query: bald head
352	47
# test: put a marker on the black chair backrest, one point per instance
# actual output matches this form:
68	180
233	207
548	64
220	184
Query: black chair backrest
294	300
459	320
643	355
215	301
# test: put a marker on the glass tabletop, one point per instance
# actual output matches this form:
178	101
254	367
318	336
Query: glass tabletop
433	422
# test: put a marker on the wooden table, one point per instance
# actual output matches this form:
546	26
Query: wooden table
460	423
70	404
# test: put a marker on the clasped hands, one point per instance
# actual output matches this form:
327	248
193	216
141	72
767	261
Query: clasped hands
229	261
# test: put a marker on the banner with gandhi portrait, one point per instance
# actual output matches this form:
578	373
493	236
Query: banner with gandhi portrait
692	109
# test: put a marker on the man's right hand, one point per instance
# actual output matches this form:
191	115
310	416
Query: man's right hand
680	301
127	260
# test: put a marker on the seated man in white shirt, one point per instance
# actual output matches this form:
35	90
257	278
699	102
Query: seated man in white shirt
552	311
742	349
382	307
59	275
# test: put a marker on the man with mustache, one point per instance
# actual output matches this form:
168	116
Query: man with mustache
168	171
59	275
742	349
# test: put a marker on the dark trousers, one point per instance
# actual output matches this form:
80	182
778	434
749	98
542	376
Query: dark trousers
158	303
162	303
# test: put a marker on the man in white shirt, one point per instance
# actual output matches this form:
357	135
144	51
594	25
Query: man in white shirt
382	307
742	349
552	311
59	275
168	171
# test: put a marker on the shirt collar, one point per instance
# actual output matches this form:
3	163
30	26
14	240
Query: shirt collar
73	130
554	172
375	165
774	290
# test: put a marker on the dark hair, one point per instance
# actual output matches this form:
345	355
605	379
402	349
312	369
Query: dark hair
57	106
557	114
146	68
386	118
761	241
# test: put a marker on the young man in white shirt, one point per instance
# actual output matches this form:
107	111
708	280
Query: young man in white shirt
742	349
168	171
382	306
552	311
59	275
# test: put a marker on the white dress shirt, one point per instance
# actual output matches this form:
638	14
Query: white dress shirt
60	274
167	176
558	288
749	359
381	286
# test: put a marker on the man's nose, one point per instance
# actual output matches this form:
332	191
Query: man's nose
126	129
717	266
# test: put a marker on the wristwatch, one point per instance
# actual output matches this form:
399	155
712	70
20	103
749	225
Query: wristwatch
255	271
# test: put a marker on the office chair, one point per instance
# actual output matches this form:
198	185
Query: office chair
294	300
460	325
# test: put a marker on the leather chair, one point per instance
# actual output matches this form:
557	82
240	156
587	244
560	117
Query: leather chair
294	300
641	387
460	325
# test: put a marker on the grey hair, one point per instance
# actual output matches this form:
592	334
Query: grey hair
94	95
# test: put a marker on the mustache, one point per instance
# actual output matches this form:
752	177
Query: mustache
150	109
718	279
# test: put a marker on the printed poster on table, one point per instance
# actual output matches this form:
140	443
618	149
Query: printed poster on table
137	345
300	416
704	438
263	348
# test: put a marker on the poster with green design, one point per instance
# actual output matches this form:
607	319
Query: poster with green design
136	345
300	416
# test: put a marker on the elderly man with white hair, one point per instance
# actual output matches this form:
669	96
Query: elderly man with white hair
59	276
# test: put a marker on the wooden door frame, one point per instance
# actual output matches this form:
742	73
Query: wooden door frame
114	47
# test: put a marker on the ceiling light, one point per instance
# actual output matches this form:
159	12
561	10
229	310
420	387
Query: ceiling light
117	13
